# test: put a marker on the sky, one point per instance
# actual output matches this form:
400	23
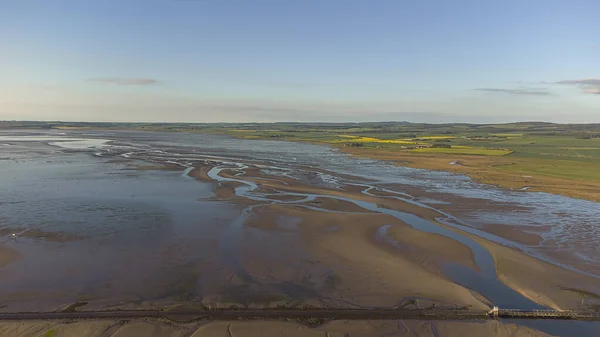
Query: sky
478	61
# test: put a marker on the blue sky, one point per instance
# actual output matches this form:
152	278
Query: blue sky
310	60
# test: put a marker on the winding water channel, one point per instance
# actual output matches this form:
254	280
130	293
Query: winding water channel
65	168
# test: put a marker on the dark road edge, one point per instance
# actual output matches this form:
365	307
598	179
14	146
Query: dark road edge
279	314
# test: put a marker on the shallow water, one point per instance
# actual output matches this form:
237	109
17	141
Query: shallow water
88	229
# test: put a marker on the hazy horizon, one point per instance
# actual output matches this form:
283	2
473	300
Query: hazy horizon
321	61
292	122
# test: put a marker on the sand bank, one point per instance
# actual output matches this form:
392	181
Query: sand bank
351	251
543	282
200	172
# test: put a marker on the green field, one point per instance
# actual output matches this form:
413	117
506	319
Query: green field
476	151
579	143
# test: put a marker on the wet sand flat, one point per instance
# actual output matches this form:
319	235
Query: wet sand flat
516	234
113	328
348	253
171	226
429	250
200	173
542	281
7	255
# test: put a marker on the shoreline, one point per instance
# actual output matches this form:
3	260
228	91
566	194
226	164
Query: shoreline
483	170
483	173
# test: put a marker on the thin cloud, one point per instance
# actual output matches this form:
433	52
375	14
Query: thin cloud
586	81
528	91
124	81
587	85
592	90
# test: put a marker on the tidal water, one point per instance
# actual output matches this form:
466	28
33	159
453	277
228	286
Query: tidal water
132	225
568	227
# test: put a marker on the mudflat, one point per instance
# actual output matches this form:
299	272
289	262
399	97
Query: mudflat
175	225
341	236
114	328
7	255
